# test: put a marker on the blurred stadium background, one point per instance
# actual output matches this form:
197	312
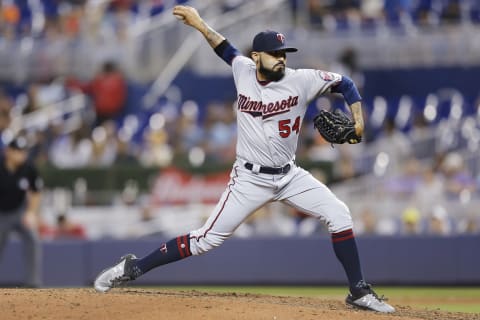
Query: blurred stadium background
130	116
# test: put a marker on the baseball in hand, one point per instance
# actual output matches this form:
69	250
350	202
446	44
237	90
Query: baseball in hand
179	17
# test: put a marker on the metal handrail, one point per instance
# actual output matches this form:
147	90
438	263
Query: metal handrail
39	119
165	18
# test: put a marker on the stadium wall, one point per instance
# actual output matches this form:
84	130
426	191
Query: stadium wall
288	261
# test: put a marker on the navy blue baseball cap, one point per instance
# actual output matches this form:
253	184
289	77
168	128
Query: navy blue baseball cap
269	40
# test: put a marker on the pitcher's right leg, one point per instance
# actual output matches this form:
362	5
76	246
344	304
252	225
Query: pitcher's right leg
241	198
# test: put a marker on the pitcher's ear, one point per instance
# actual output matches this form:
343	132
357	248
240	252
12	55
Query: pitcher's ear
255	56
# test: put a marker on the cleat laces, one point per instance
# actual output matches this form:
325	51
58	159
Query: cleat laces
362	285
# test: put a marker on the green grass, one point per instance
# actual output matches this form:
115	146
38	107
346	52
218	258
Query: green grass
455	299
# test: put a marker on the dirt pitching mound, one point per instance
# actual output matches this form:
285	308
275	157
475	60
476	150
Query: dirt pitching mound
146	304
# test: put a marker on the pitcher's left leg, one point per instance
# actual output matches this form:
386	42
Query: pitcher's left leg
309	195
314	198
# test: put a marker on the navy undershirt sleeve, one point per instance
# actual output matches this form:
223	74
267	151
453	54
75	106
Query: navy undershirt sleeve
348	89
226	51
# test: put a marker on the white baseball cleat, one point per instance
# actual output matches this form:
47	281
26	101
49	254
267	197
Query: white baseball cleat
117	275
369	301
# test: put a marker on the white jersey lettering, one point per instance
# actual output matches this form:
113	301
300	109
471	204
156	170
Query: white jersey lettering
257	108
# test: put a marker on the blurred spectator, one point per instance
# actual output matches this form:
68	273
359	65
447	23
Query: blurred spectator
53	29
120	14
41	142
71	150
5	109
31	103
458	180
368	222
39	95
130	193
108	90
344	167
18	17
346	12
156	151
430	190
348	64
451	12
317	12
468	225
423	12
104	145
188	132
67	230
411	221
405	183
345	5
396	11
50	92
113	19
395	145
220	126
9	19
149	223
321	150
421	133
126	153
71	18
80	192
439	222
371	11
374	223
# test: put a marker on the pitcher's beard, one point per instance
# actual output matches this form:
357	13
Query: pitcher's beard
271	75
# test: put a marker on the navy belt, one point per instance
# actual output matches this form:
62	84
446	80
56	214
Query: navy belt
270	170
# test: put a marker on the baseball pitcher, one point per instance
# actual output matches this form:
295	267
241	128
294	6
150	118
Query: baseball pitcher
272	101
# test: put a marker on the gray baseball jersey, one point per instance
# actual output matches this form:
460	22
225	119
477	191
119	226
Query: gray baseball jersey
269	117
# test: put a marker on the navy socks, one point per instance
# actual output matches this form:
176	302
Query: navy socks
175	249
344	246
346	251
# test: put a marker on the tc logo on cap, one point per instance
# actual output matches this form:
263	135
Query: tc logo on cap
281	38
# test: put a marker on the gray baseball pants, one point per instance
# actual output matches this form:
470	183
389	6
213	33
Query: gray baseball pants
12	222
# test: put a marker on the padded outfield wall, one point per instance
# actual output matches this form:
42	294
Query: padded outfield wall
289	261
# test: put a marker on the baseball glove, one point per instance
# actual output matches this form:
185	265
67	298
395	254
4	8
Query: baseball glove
336	127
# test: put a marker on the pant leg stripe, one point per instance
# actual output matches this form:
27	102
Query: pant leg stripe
221	209
342	236
335	240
